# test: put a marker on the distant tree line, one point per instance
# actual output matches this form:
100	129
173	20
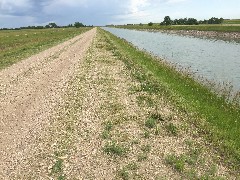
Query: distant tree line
48	26
190	21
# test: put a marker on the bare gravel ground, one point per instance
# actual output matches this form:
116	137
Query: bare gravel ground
79	114
29	91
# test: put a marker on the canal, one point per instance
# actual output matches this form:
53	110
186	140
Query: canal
215	60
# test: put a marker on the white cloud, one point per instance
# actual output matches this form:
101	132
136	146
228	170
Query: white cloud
136	5
176	1
135	11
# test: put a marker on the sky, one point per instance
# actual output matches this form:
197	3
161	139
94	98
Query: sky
18	13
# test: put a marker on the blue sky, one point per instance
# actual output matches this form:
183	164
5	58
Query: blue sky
16	13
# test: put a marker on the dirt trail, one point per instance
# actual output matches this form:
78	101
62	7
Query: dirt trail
29	92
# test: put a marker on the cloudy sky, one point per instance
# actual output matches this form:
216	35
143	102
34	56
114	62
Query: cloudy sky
16	13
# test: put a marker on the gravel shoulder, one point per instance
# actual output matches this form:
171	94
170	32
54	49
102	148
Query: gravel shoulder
29	92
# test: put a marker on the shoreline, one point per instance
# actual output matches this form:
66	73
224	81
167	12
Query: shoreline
225	36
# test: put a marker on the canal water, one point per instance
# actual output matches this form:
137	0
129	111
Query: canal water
214	60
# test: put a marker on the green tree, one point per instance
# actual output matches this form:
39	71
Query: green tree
150	24
78	24
53	25
167	21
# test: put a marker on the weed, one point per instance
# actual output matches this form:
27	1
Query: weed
146	134
145	100
177	162
157	130
105	134
150	123
191	174
132	166
123	174
151	88
146	148
142	157
115	108
211	171
157	117
193	155
108	126
113	148
57	167
172	129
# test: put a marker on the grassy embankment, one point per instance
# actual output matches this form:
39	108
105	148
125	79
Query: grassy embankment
217	120
18	44
232	21
228	26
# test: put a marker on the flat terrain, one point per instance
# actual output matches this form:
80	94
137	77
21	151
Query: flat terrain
16	45
81	110
232	21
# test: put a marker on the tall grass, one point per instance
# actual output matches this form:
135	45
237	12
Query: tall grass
18	44
217	119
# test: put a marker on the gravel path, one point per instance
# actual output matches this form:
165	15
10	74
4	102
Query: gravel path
29	92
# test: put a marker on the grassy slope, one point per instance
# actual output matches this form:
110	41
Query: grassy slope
232	21
18	44
219	28
221	123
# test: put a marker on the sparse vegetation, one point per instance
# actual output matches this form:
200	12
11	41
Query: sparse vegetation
142	157
150	123
112	148
177	162
172	129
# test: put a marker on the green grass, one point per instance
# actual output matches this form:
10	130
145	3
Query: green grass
232	21
18	44
177	162
112	148
124	173
57	169
206	27
218	120
172	129
150	123
108	126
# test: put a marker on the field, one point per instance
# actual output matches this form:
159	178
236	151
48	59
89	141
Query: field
18	44
232	21
219	28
